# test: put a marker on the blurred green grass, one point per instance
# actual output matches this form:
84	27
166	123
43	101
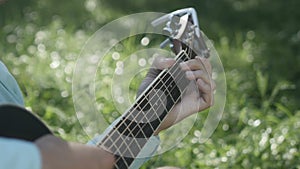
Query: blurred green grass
258	42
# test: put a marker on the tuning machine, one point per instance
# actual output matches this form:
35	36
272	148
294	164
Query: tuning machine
170	30
183	25
172	24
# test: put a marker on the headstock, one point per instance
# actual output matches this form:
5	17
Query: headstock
182	29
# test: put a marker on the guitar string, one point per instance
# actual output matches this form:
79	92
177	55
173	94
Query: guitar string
189	49
141	131
144	116
176	100
170	109
176	70
159	97
131	115
140	102
171	90
127	146
131	143
151	117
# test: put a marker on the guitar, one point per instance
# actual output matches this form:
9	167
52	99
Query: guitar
132	131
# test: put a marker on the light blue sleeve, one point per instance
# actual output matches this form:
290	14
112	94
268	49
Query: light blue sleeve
9	88
145	154
16	154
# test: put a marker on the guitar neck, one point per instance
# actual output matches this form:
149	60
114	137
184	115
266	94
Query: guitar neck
129	135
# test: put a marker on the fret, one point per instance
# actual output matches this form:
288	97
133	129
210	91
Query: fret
119	144
158	110
185	55
166	88
123	162
157	101
168	91
171	91
131	149
178	74
138	131
111	142
127	126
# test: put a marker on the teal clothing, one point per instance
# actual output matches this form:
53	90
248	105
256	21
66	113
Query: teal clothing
17	154
9	89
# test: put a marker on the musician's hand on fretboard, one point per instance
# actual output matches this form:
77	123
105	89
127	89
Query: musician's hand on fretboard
193	101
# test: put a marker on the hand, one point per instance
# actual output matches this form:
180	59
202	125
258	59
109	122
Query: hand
58	154
192	101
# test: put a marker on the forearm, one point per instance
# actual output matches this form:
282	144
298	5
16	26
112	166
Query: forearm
58	154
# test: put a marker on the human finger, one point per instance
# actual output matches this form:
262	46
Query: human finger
205	63
198	63
198	74
163	63
206	91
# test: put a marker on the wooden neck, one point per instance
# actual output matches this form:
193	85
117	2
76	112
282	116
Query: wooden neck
139	123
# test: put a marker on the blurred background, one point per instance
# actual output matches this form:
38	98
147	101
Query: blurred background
258	42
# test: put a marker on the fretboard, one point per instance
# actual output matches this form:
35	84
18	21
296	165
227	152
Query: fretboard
138	124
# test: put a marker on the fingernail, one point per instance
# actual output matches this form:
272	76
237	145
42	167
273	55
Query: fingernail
201	58
184	66
189	75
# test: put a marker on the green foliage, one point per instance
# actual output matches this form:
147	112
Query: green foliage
258	43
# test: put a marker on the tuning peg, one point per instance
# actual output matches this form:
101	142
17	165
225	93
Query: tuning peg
175	19
167	31
172	25
168	24
165	43
191	34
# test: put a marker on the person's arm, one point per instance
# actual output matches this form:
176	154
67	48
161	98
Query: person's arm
59	154
50	152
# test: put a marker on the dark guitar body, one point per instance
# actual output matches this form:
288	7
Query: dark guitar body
17	122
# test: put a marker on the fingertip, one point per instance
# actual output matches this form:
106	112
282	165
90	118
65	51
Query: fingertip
205	88
184	66
169	63
169	60
189	75
198	57
201	58
164	63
